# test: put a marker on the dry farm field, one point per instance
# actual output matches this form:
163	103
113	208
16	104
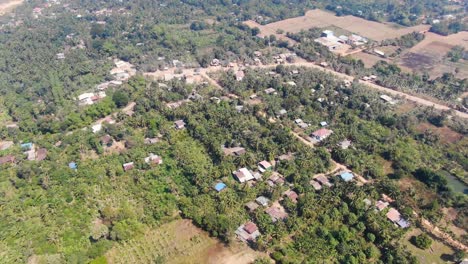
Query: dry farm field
180	242
368	59
429	55
322	19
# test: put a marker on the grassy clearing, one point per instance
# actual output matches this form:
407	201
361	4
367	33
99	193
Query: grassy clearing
437	253
179	242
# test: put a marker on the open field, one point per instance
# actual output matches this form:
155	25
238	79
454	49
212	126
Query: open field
428	55
180	242
368	59
8	5
437	253
321	19
446	134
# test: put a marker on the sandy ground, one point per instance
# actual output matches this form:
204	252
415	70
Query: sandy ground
322	19
7	6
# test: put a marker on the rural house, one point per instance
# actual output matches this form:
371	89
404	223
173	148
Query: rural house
395	216
264	166
220	186
240	75
275	179
316	185
347	176
247	232
321	134
243	175
262	200
270	91
276	213
179	124
128	166
153	159
251	206
292	195
323	180
381	205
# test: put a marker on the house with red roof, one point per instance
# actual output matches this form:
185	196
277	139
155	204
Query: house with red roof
321	134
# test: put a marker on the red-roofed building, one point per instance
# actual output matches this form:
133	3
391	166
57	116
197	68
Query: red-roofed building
250	227
292	195
393	215
7	159
322	134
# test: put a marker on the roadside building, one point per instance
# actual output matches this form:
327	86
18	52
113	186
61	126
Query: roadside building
347	176
321	134
323	180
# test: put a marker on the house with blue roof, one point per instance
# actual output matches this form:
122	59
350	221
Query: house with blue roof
27	146
347	176
72	165
220	186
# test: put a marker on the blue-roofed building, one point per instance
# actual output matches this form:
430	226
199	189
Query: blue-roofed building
347	176
72	165
403	223
27	146
220	186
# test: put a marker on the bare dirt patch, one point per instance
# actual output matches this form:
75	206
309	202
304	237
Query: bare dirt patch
7	6
428	55
321	19
445	134
180	242
368	59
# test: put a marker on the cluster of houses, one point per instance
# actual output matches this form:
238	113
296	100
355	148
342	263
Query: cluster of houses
90	98
249	232
392	214
301	123
333	42
33	153
152	159
29	149
121	72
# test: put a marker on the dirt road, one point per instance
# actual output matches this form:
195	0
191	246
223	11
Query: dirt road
302	63
408	97
8	6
